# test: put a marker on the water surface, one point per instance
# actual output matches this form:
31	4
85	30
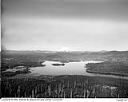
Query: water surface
71	68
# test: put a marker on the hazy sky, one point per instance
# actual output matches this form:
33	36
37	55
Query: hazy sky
65	24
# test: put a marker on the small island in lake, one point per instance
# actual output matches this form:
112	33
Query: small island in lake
58	64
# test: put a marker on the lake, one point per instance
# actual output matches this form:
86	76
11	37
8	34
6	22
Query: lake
71	68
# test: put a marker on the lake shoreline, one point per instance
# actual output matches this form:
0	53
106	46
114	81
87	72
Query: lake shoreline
109	73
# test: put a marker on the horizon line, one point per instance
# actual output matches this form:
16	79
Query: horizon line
65	51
